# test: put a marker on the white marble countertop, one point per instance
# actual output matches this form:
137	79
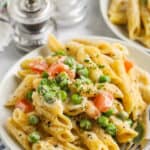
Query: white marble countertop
92	25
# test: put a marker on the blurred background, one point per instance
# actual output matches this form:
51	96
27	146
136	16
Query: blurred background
61	25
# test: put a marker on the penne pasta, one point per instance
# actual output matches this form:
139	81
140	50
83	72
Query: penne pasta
86	95
133	15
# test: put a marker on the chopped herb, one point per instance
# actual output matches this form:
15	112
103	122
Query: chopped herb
79	83
88	90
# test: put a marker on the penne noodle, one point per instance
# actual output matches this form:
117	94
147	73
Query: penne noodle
89	98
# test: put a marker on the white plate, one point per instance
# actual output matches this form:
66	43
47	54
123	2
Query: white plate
118	30
9	83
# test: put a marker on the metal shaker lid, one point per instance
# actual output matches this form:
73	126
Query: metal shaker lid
30	11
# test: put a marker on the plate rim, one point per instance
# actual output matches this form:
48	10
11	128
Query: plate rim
117	33
8	73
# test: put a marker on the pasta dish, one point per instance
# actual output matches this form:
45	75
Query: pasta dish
85	95
135	16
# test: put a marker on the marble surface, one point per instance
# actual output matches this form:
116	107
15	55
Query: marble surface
93	24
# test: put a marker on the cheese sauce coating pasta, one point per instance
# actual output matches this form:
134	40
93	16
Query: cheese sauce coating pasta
86	95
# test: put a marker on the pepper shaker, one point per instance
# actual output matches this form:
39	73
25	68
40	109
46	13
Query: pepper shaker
31	21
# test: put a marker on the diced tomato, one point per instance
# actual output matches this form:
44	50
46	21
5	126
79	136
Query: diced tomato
128	65
92	110
57	68
25	105
38	66
103	101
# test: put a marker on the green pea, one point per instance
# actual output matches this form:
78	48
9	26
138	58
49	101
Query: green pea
123	115
45	75
70	61
50	96
42	89
63	80
103	121
33	119
104	78
53	84
83	71
62	95
109	112
34	137
85	124
62	76
111	129
29	95
76	99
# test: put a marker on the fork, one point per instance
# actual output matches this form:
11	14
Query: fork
146	145
147	135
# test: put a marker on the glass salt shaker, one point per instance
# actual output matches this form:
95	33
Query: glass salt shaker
69	12
31	21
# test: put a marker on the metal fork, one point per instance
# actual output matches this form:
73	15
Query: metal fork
147	135
133	146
